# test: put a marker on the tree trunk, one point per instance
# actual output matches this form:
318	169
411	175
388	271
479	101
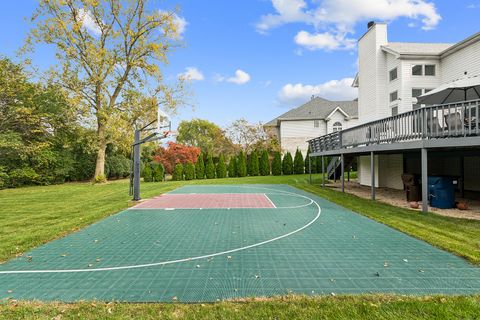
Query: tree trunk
102	146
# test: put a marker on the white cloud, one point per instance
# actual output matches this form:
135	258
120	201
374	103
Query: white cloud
89	22
240	77
473	6
333	20
294	94
192	74
180	22
326	41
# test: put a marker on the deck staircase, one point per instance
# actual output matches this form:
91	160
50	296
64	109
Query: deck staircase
334	169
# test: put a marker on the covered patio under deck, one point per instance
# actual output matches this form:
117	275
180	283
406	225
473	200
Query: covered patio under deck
429	131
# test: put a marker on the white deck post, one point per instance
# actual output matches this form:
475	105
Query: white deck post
342	170
372	173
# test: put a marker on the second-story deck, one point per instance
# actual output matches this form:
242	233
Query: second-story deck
447	125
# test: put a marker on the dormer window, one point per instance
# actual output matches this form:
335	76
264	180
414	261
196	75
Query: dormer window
337	126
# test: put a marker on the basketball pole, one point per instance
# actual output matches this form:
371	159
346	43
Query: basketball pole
136	166
135	174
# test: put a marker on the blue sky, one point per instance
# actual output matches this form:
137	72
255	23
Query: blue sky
254	59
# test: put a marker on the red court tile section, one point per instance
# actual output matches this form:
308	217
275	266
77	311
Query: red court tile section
209	200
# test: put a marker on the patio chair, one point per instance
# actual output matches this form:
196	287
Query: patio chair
454	122
434	127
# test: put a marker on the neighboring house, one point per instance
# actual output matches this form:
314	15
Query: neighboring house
312	119
390	77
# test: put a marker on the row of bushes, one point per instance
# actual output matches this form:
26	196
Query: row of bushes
254	164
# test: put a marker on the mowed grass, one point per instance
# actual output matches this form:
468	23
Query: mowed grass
32	216
294	307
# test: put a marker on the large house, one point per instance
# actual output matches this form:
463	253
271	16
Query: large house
396	134
317	117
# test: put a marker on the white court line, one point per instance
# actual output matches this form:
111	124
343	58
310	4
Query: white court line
273	204
162	263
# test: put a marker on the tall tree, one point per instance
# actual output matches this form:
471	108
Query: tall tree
210	168
221	167
232	167
254	165
246	134
264	164
298	163
277	164
287	164
109	54
205	135
200	167
241	165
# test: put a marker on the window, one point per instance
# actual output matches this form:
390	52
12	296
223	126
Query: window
393	96
337	126
393	74
417	70
417	92
316	123
429	69
395	111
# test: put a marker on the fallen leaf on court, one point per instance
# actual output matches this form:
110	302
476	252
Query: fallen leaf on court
198	266
90	265
98	259
229	257
95	240
63	255
9	291
421	270
405	260
377	274
175	298
332	280
385	264
257	276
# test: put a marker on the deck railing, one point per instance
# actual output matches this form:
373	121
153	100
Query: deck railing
432	122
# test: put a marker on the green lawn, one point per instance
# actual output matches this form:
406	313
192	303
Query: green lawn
35	215
340	307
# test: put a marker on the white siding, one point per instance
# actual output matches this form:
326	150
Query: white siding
364	177
456	64
418	82
294	134
395	85
372	75
390	171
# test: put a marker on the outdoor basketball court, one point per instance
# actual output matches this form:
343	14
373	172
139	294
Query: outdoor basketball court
209	243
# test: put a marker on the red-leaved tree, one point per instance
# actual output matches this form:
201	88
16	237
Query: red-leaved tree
175	153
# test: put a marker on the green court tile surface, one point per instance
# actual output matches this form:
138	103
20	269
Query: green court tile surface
196	255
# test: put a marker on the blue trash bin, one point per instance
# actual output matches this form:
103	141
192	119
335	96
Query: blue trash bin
441	192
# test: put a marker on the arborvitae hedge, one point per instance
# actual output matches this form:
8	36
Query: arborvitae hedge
200	168
148	173
158	172
287	164
277	164
210	168
232	167
189	171
298	163
241	165
221	168
178	172
254	165
264	164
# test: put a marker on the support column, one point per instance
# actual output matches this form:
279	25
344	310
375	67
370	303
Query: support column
323	172
136	167
424	180
372	174
462	173
342	171
310	168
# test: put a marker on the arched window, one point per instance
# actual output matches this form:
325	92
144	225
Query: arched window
337	126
